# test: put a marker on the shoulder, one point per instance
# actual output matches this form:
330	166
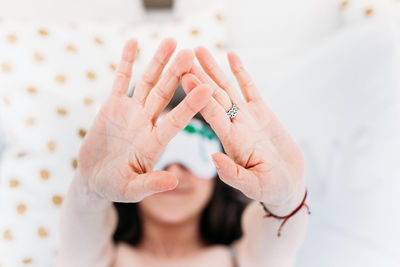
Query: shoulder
126	255
214	255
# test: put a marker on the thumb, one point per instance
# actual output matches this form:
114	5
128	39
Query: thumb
189	82
236	175
149	183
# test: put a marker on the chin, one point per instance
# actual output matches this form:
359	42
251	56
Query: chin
173	207
174	217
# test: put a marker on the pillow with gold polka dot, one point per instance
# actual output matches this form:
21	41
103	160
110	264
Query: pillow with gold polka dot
53	79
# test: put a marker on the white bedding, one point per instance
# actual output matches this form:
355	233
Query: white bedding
330	73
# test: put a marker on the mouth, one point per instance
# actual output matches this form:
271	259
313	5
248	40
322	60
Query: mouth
178	191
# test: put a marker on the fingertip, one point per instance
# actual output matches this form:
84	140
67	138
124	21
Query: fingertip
216	162
174	183
186	82
205	89
190	78
199	97
189	82
234	61
130	50
231	55
170	40
171	183
131	44
200	48
169	43
200	51
216	157
132	41
184	60
166	181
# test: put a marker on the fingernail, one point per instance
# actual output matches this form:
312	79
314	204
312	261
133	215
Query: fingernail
215	163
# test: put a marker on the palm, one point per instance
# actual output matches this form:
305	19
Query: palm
266	152
124	141
116	128
289	151
264	162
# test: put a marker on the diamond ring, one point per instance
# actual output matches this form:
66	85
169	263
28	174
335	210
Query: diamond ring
232	112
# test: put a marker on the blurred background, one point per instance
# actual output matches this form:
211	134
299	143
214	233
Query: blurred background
327	68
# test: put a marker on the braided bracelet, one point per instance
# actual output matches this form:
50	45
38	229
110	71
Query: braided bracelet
285	218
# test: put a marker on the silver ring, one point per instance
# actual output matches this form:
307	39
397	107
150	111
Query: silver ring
232	112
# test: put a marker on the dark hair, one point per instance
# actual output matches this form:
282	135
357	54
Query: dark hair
220	219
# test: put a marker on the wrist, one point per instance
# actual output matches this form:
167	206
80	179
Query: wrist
86	198
291	204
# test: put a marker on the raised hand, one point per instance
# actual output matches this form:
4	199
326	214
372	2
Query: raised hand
262	160
124	142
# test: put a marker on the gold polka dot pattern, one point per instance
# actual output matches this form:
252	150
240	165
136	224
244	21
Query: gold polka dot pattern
7	235
42	232
14	183
51	145
82	132
74	163
31	90
59	74
44	174
88	101
5	67
60	78
38	57
62	111
57	200
21	208
11	38
91	75
71	48
43	32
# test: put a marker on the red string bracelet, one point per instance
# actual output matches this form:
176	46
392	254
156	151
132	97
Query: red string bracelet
285	218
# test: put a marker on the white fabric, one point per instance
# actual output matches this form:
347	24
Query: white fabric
53	79
336	90
330	74
344	94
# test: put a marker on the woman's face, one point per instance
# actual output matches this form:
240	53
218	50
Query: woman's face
185	202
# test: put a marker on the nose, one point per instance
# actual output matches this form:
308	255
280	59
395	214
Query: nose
174	167
177	169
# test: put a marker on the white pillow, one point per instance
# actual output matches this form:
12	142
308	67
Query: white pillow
344	95
340	100
53	79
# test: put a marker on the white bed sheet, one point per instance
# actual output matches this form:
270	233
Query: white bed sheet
337	93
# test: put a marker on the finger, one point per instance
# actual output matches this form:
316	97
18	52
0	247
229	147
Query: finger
190	81
237	176
212	112
162	93
244	79
219	95
177	119
271	188
124	71
211	67
149	183
153	71
200	75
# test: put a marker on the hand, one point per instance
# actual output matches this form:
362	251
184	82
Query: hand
124	143
262	160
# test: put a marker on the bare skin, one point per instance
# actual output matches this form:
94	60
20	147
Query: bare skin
125	141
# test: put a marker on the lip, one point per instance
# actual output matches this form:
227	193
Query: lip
178	190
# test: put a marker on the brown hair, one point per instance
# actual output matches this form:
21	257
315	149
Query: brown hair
220	219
